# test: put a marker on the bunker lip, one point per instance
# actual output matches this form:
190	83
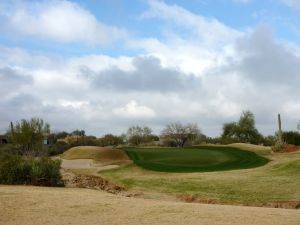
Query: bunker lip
195	159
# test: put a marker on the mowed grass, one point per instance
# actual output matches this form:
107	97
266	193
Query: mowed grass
194	159
98	154
276	181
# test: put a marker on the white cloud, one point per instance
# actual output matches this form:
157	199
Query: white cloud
191	43
292	3
209	31
133	110
60	21
186	78
73	104
292	109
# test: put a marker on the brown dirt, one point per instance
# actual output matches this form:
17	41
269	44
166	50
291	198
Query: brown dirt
280	204
91	182
28	205
291	148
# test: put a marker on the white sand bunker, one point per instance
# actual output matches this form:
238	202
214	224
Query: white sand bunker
85	164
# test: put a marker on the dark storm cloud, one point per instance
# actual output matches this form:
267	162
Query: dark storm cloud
148	75
265	60
11	80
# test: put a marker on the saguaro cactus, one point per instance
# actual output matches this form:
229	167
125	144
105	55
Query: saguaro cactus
279	144
279	129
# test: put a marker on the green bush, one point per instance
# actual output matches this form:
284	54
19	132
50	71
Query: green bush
291	137
16	169
8	149
45	172
57	148
269	140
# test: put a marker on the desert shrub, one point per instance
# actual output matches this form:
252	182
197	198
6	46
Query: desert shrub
228	140
45	172
110	140
15	169
291	137
9	149
278	146
83	141
269	140
58	148
28	135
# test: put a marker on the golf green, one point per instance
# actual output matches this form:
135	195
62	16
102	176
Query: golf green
194	159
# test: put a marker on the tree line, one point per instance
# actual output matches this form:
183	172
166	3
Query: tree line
30	138
28	135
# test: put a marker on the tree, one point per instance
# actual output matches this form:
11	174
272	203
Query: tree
78	133
291	137
246	130
109	140
61	135
298	126
229	130
180	134
243	131
28	135
137	135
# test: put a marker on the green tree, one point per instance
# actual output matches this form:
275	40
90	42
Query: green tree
246	130
242	131
229	130
137	135
78	133
28	135
110	140
61	135
291	137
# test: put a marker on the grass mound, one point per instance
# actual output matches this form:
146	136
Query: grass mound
194	159
98	154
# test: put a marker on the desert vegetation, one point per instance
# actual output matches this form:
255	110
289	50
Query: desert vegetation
181	162
26	161
20	170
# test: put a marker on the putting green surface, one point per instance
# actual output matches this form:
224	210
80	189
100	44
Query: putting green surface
194	159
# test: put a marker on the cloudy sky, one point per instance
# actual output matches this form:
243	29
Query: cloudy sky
105	65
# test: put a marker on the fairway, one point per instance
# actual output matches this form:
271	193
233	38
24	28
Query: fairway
194	159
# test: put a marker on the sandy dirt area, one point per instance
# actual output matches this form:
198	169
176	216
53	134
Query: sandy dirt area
85	164
28	205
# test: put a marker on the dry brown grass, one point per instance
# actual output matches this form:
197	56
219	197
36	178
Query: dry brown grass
98	154
39	205
259	149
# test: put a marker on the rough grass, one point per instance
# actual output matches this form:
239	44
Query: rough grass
259	149
194	159
54	206
98	154
277	181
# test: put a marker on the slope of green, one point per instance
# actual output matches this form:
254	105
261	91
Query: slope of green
276	181
194	159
